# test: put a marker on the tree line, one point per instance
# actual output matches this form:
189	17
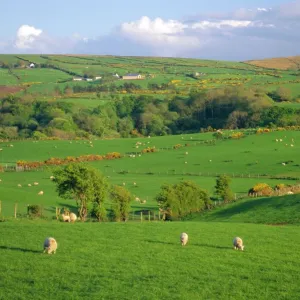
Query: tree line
130	116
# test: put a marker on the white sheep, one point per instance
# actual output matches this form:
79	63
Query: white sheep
65	218
35	183
184	238
41	193
186	153
238	244
51	177
73	217
50	245
134	183
29	184
290	193
124	183
19	185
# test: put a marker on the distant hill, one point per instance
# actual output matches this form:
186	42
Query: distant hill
281	63
272	211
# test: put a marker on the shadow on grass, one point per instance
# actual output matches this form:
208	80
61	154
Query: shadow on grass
191	244
19	249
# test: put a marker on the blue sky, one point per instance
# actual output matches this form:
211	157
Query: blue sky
189	28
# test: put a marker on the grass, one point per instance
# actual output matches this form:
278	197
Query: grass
129	261
273	210
245	160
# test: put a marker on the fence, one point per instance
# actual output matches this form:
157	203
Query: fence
21	211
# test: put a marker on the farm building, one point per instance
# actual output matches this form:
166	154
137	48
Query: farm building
98	77
133	76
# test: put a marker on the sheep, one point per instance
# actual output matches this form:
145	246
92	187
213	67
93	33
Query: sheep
238	244
41	193
290	193
184	238
65	218
124	183
29	184
19	185
50	245
134	183
186	153
185	162
51	177
283	164
143	202
72	217
292	145
35	183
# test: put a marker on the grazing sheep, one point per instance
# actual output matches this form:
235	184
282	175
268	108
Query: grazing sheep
50	245
19	185
290	193
292	145
283	164
185	162
134	183
72	217
143	202
238	244
66	218
186	153
184	238
29	184
40	193
124	183
137	199
35	183
51	177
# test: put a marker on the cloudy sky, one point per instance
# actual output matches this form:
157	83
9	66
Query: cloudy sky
215	29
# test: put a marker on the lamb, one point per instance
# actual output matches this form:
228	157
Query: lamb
238	244
72	217
66	218
50	245
184	238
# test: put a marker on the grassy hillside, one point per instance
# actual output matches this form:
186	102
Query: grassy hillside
281	63
146	261
248	161
273	210
174	71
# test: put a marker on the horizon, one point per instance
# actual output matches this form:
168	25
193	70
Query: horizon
215	31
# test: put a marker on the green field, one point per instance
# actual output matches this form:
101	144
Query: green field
146	261
248	161
213	74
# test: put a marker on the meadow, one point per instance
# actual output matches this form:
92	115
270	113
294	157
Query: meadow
248	161
146	261
176	72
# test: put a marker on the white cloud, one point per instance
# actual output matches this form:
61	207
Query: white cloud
242	34
26	36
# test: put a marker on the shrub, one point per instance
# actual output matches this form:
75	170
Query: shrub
34	210
261	189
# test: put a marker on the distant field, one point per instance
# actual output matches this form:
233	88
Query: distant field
247	161
281	63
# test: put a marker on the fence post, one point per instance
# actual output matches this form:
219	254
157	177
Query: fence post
15	210
149	216
141	216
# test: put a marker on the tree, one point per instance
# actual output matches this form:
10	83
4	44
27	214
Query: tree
181	199
82	183
120	203
223	189
284	94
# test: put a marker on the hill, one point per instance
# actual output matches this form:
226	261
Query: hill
280	63
272	211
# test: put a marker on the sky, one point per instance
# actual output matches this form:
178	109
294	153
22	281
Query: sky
215	29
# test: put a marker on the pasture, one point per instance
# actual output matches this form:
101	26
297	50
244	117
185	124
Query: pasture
176	73
248	161
146	261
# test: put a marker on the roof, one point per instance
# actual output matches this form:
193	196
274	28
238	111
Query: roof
133	74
